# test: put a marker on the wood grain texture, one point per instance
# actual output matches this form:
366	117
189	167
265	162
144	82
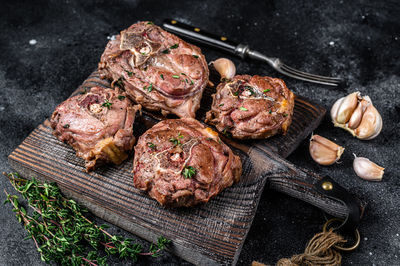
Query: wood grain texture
208	234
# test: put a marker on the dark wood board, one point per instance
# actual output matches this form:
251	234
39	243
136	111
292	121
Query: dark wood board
208	234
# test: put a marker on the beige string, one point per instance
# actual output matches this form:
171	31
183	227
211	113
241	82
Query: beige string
319	251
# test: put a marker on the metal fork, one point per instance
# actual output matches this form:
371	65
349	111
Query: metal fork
243	51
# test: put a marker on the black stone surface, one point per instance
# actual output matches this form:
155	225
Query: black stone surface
358	40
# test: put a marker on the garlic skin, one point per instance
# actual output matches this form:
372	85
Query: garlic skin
357	115
367	170
323	151
225	67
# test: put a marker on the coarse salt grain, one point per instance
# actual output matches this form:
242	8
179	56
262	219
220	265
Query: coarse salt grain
32	42
331	43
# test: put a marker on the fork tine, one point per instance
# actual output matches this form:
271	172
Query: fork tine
311	76
277	64
305	78
295	76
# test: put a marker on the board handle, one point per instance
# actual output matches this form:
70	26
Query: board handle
322	192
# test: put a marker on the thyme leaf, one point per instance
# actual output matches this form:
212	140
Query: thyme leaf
189	172
148	88
151	145
107	104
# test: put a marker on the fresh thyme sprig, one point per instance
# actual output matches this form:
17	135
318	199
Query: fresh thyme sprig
62	233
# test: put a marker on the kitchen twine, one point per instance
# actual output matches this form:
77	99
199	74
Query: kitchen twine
319	251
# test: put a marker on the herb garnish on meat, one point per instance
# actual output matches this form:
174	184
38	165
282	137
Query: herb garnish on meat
151	145
189	172
107	104
176	141
149	88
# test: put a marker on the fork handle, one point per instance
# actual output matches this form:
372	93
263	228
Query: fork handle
198	35
220	42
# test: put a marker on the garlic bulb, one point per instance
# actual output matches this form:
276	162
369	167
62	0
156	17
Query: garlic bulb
324	151
367	170
357	115
225	67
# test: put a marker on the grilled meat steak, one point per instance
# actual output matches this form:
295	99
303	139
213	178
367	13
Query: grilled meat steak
180	162
157	69
98	125
252	107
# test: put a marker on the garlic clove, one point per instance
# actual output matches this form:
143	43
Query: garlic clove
364	120
323	151
347	107
355	118
367	170
335	108
225	67
371	124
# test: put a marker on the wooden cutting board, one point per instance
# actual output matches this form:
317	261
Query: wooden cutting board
208	234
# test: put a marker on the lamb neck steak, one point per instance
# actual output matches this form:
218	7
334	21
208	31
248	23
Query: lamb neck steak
157	69
97	124
251	107
181	162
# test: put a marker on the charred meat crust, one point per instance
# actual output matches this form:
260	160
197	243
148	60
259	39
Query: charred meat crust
156	69
97	124
252	107
180	162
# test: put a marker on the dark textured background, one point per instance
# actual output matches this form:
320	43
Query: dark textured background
359	40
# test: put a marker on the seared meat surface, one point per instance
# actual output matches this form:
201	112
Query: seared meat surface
97	124
157	69
180	162
252	107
